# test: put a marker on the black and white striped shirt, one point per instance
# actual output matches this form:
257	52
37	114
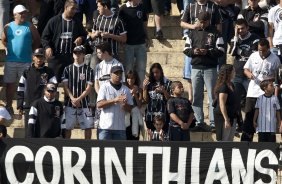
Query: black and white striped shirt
268	107
110	24
78	77
66	37
192	11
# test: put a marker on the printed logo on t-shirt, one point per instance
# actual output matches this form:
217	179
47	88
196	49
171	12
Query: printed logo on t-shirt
82	76
44	79
18	32
139	14
57	112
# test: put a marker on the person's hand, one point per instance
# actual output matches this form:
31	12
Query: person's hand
227	124
184	126
196	25
121	99
280	128
203	52
197	51
106	35
160	89
146	83
76	102
78	41
162	135
48	53
95	34
255	124
150	134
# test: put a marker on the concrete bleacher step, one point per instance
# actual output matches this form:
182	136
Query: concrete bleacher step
167	45
169	32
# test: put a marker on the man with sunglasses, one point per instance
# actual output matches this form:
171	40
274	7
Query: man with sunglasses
78	79
114	99
45	115
32	83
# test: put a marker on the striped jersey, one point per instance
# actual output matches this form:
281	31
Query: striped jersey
111	24
268	107
78	77
192	11
66	37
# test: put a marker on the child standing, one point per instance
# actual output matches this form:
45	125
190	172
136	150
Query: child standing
267	113
158	134
180	112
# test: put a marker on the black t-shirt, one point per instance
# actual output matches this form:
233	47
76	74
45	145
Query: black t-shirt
134	18
181	107
232	102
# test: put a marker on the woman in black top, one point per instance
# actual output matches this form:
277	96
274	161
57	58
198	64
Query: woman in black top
226	104
156	92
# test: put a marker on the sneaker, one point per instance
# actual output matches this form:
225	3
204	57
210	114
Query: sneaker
159	35
212	126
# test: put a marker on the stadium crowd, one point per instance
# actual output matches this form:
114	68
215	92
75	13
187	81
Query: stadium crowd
113	93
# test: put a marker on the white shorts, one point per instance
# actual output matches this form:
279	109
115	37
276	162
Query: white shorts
81	115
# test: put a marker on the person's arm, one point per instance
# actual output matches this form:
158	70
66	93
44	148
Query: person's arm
31	121
36	42
120	38
219	50
85	92
255	118
67	90
4	36
20	93
249	74
97	86
190	120
106	103
222	105
145	90
270	34
278	117
176	119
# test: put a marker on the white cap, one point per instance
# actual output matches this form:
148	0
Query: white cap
19	8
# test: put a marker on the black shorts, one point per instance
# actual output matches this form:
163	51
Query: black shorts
154	6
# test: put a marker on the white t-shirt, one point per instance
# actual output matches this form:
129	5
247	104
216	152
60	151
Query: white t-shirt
103	70
268	106
275	17
261	69
4	113
113	117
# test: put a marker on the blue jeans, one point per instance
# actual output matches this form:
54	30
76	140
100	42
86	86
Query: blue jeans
241	86
177	134
104	134
200	77
187	68
136	57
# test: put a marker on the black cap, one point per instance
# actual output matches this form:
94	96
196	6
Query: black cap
116	69
204	16
80	49
51	87
38	52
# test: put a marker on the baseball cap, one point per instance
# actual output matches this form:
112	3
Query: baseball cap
38	52
116	69
19	8
51	87
79	49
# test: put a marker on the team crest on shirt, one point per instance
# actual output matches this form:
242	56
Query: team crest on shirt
57	112
44	79
139	14
82	76
274	106
18	32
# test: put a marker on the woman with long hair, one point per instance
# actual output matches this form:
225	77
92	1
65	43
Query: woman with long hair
226	104
156	92
133	120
